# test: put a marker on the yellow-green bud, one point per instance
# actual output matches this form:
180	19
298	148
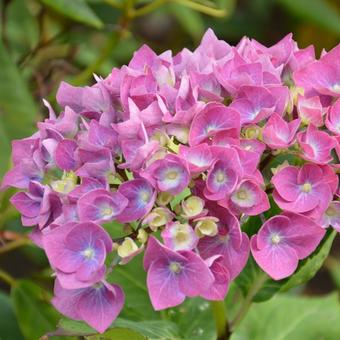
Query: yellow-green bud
127	248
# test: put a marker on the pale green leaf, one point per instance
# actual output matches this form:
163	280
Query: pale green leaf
35	314
77	10
291	317
319	12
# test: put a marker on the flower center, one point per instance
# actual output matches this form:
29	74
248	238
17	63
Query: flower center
220	177
89	253
336	88
182	236
307	187
175	267
172	175
145	196
242	194
224	238
107	212
330	212
275	239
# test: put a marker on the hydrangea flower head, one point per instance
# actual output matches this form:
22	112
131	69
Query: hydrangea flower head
180	148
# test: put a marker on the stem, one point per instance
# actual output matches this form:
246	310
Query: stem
248	300
266	161
214	12
10	280
4	23
15	244
147	8
221	321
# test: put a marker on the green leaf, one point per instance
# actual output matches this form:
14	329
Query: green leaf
319	12
133	278
118	333
191	21
255	284
252	225
309	266
17	108
194	319
181	196
293	318
67	327
77	10
150	329
22	28
35	314
8	323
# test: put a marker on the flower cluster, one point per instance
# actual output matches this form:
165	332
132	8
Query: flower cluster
170	150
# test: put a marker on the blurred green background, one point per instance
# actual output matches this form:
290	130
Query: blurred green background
46	41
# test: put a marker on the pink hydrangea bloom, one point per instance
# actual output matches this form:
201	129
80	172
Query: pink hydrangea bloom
284	240
174	275
77	252
97	305
333	118
302	189
278	133
316	145
186	147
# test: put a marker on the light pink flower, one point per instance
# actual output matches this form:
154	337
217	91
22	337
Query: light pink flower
310	110
301	190
316	145
278	133
174	275
215	117
333	118
98	305
284	240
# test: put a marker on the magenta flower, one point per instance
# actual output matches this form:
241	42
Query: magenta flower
248	198
316	145
284	240
25	171
225	173
331	216
141	197
254	104
236	72
199	157
323	75
214	118
65	125
77	252
179	236
98	305
301	190
101	205
170	174
333	118
65	155
97	162
310	110
230	242
85	99
87	184
218	290
174	275
40	205
103	136
279	134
